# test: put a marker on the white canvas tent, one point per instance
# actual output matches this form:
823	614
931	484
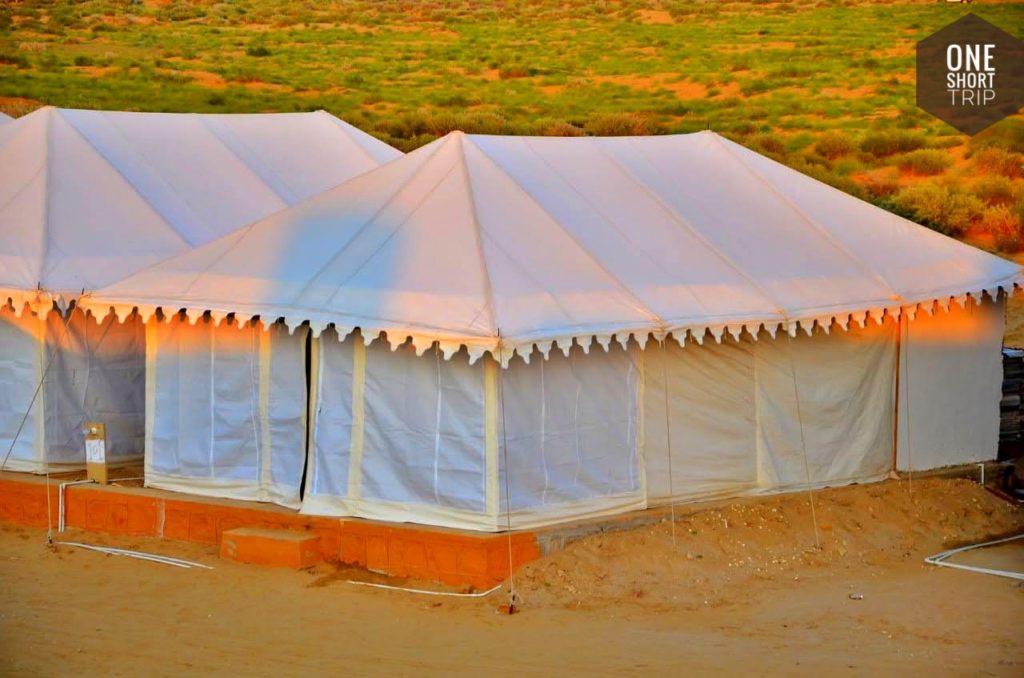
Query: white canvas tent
88	197
786	299
5	118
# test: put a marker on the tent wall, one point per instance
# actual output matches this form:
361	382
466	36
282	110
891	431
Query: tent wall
21	367
404	438
735	424
398	437
225	409
571	436
950	386
96	373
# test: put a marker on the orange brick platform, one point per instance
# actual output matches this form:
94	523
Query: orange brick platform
429	554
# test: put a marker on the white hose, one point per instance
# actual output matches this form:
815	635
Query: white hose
425	591
60	501
166	560
939	559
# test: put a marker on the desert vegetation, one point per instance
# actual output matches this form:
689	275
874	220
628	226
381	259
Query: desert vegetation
824	86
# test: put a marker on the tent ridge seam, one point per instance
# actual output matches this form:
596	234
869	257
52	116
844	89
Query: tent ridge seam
693	230
807	219
640	304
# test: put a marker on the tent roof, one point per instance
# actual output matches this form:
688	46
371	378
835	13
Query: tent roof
88	197
5	118
507	242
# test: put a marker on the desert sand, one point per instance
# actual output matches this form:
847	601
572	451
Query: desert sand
743	588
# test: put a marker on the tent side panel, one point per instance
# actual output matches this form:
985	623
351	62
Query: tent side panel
422	436
208	426
735	424
950	386
712	418
424	431
844	383
97	374
570	437
331	440
20	370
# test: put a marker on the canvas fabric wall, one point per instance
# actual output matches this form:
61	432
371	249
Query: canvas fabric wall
89	371
404	438
951	376
226	409
401	437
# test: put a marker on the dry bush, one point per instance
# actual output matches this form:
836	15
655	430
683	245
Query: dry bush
884	144
834	145
619	125
925	161
1004	226
999	162
995	190
948	211
768	143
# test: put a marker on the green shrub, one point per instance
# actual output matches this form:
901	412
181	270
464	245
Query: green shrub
257	50
559	128
833	145
768	143
512	72
618	125
883	187
995	191
1007	135
999	162
1005	228
926	161
884	144
83	60
948	211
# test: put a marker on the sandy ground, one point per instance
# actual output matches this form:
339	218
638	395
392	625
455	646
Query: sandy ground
743	589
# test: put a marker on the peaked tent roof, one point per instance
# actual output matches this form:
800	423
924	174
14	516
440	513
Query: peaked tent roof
5	118
88	197
505	242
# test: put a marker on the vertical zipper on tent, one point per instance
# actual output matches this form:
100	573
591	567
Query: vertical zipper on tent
803	442
437	423
575	420
906	379
896	388
668	438
213	396
150	408
492	493
355	461
266	444
543	436
42	366
641	421
312	477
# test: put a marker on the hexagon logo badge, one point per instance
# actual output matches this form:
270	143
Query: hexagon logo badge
970	74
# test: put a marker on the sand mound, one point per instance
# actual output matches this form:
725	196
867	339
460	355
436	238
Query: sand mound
719	552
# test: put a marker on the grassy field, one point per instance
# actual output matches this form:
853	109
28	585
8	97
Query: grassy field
827	87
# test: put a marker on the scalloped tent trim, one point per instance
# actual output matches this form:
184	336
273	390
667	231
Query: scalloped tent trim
503	351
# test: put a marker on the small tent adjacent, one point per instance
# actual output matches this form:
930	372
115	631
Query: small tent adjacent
88	197
618	281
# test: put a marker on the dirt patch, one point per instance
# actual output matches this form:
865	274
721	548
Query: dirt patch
848	92
761	45
716	556
775	603
683	89
655	16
